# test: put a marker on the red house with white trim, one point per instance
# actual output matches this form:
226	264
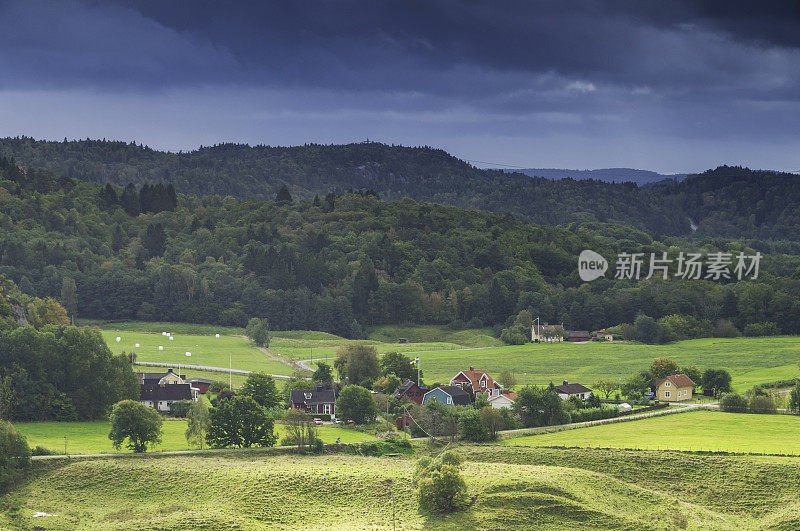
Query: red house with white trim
479	380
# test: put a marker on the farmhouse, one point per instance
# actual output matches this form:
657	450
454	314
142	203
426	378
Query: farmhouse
449	395
478	380
503	400
674	388
161	396
579	335
567	390
321	400
410	390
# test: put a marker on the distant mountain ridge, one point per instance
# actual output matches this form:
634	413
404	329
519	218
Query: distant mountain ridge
609	175
728	201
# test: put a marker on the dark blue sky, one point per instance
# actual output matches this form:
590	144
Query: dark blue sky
670	86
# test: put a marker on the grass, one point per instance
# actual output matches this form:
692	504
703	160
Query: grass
155	327
510	488
206	350
444	352
750	360
92	437
712	431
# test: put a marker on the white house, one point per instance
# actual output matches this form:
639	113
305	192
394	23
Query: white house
567	390
505	400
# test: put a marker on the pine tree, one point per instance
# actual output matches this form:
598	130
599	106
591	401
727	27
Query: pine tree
130	200
283	197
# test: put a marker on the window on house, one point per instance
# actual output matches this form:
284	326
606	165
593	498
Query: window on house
666	384
666	394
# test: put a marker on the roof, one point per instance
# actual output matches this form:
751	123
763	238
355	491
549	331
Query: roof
403	389
312	396
579	333
678	380
474	376
459	396
510	396
572	389
200	380
156	392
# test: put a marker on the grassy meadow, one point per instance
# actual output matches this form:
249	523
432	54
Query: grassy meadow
444	352
712	431
509	488
92	437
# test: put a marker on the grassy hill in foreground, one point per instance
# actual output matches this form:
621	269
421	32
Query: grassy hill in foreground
541	488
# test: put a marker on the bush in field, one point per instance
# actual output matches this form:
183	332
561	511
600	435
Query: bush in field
733	403
15	456
258	331
594	413
300	429
217	387
725	328
441	487
510	421
471	426
137	423
198	420
540	406
762	404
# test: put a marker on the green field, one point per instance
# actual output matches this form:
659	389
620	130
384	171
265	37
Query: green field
206	350
713	431
510	488
750	360
92	437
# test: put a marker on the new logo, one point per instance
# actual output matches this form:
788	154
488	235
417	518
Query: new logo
591	265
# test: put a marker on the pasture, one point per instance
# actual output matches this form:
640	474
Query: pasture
712	431
510	488
750	360
92	437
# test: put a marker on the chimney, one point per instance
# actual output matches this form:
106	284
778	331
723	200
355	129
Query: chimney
471	368
565	382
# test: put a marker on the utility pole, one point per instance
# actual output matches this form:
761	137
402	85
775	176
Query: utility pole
230	370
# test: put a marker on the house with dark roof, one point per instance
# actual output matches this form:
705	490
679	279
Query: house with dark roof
161	396
478	380
674	388
579	335
449	395
410	390
567	390
321	400
168	377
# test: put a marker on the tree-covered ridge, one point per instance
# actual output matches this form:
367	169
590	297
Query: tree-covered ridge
348	261
395	172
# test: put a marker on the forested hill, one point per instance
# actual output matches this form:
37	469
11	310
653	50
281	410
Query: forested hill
347	261
395	172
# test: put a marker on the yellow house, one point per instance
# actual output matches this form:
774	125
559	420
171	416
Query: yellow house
674	388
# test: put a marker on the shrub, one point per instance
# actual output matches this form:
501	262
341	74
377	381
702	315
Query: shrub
794	399
137	423
41	450
733	403
594	413
217	387
726	328
15	456
441	487
471	426
179	409
762	404
509	419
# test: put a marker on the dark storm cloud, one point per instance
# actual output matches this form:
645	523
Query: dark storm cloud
461	49
581	77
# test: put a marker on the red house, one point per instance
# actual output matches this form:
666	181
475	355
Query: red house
202	384
410	390
478	380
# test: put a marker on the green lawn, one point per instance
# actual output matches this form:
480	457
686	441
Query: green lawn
697	430
92	437
481	337
520	488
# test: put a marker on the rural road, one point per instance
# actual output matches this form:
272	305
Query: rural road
204	368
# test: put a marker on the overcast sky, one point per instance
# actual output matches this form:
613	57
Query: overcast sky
667	86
